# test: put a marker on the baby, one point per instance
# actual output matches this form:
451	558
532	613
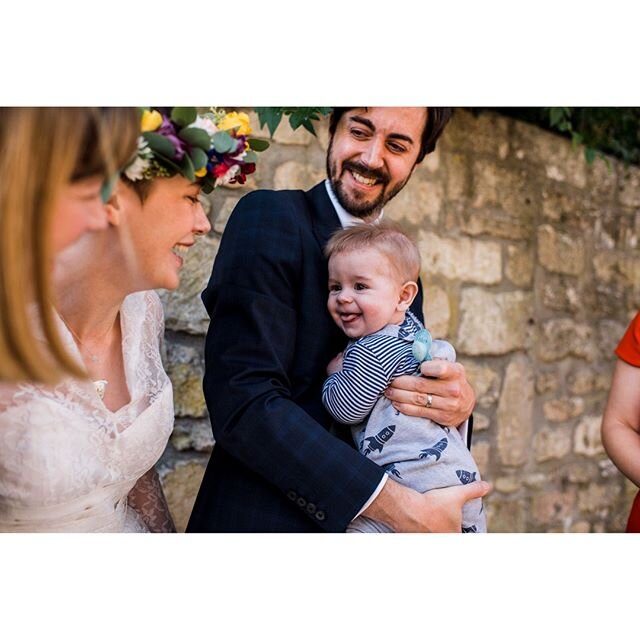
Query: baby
373	273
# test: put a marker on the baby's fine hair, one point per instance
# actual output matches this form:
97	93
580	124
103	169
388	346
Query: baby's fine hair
387	237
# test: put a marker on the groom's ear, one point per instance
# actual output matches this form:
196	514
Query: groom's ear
114	205
408	292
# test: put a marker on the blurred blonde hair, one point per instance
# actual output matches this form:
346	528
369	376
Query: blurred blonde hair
43	149
387	237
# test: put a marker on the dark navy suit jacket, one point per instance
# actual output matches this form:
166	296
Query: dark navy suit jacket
279	463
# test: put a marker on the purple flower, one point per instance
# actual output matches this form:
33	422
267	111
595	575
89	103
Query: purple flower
168	130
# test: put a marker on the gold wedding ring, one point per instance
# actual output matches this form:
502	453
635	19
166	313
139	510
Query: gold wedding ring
429	401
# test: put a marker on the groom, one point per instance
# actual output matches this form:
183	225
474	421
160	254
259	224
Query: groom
279	463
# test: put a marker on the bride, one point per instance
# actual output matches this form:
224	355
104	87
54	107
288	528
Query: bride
80	456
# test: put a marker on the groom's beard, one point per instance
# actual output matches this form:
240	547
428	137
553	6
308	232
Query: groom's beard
355	203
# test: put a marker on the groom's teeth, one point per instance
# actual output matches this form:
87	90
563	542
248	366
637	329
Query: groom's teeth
362	180
180	249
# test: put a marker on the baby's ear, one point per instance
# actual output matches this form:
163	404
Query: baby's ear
408	292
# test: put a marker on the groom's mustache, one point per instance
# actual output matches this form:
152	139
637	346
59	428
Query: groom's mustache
365	171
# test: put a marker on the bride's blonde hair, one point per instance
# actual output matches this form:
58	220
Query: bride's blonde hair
42	149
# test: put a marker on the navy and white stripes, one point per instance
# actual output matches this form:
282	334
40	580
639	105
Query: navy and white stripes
369	365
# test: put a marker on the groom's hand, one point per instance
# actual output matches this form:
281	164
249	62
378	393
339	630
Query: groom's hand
436	511
445	383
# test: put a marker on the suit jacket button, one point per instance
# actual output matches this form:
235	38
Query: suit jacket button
311	508
320	515
301	502
292	495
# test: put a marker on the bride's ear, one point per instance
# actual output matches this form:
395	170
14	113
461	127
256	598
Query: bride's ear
114	206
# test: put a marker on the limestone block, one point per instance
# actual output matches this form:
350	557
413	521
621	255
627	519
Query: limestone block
485	382
431	161
183	308
610	333
480	422
582	381
514	413
436	309
547	381
570	207
481	452
605	265
485	132
602	179
507	484
519	267
418	202
185	366
629	266
560	253
617	270
555	153
552	444
222	216
563	409
580	472
562	337
554	506
461	258
297	175
503	202
629	490
458	177
607	469
496	222
180	487
587	441
321	127
629	187
505	515
598	497
493	323
560	293
192	435
535	480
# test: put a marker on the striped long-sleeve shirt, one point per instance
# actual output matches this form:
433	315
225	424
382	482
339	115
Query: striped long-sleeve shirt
369	365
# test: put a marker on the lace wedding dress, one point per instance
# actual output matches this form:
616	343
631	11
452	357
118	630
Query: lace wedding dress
67	462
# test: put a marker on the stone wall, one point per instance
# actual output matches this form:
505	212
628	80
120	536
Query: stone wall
530	269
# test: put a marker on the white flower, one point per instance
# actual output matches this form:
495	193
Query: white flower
205	123
135	170
227	177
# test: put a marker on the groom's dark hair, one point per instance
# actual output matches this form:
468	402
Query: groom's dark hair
437	118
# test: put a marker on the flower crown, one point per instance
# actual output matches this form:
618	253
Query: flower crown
212	148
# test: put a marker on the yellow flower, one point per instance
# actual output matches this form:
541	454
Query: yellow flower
200	173
235	119
151	120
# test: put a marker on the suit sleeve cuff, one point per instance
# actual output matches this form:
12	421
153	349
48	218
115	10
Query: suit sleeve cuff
373	496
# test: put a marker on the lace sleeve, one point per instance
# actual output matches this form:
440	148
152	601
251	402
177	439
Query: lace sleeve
147	498
154	312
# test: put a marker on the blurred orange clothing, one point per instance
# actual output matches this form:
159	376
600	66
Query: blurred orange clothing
629	347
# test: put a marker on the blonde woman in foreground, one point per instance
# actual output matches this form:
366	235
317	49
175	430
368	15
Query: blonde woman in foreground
56	166
80	456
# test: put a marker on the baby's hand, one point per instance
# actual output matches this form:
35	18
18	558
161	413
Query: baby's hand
335	364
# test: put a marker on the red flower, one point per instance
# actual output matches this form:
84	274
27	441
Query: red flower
220	169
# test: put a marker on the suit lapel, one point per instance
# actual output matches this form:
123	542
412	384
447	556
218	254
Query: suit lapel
324	219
